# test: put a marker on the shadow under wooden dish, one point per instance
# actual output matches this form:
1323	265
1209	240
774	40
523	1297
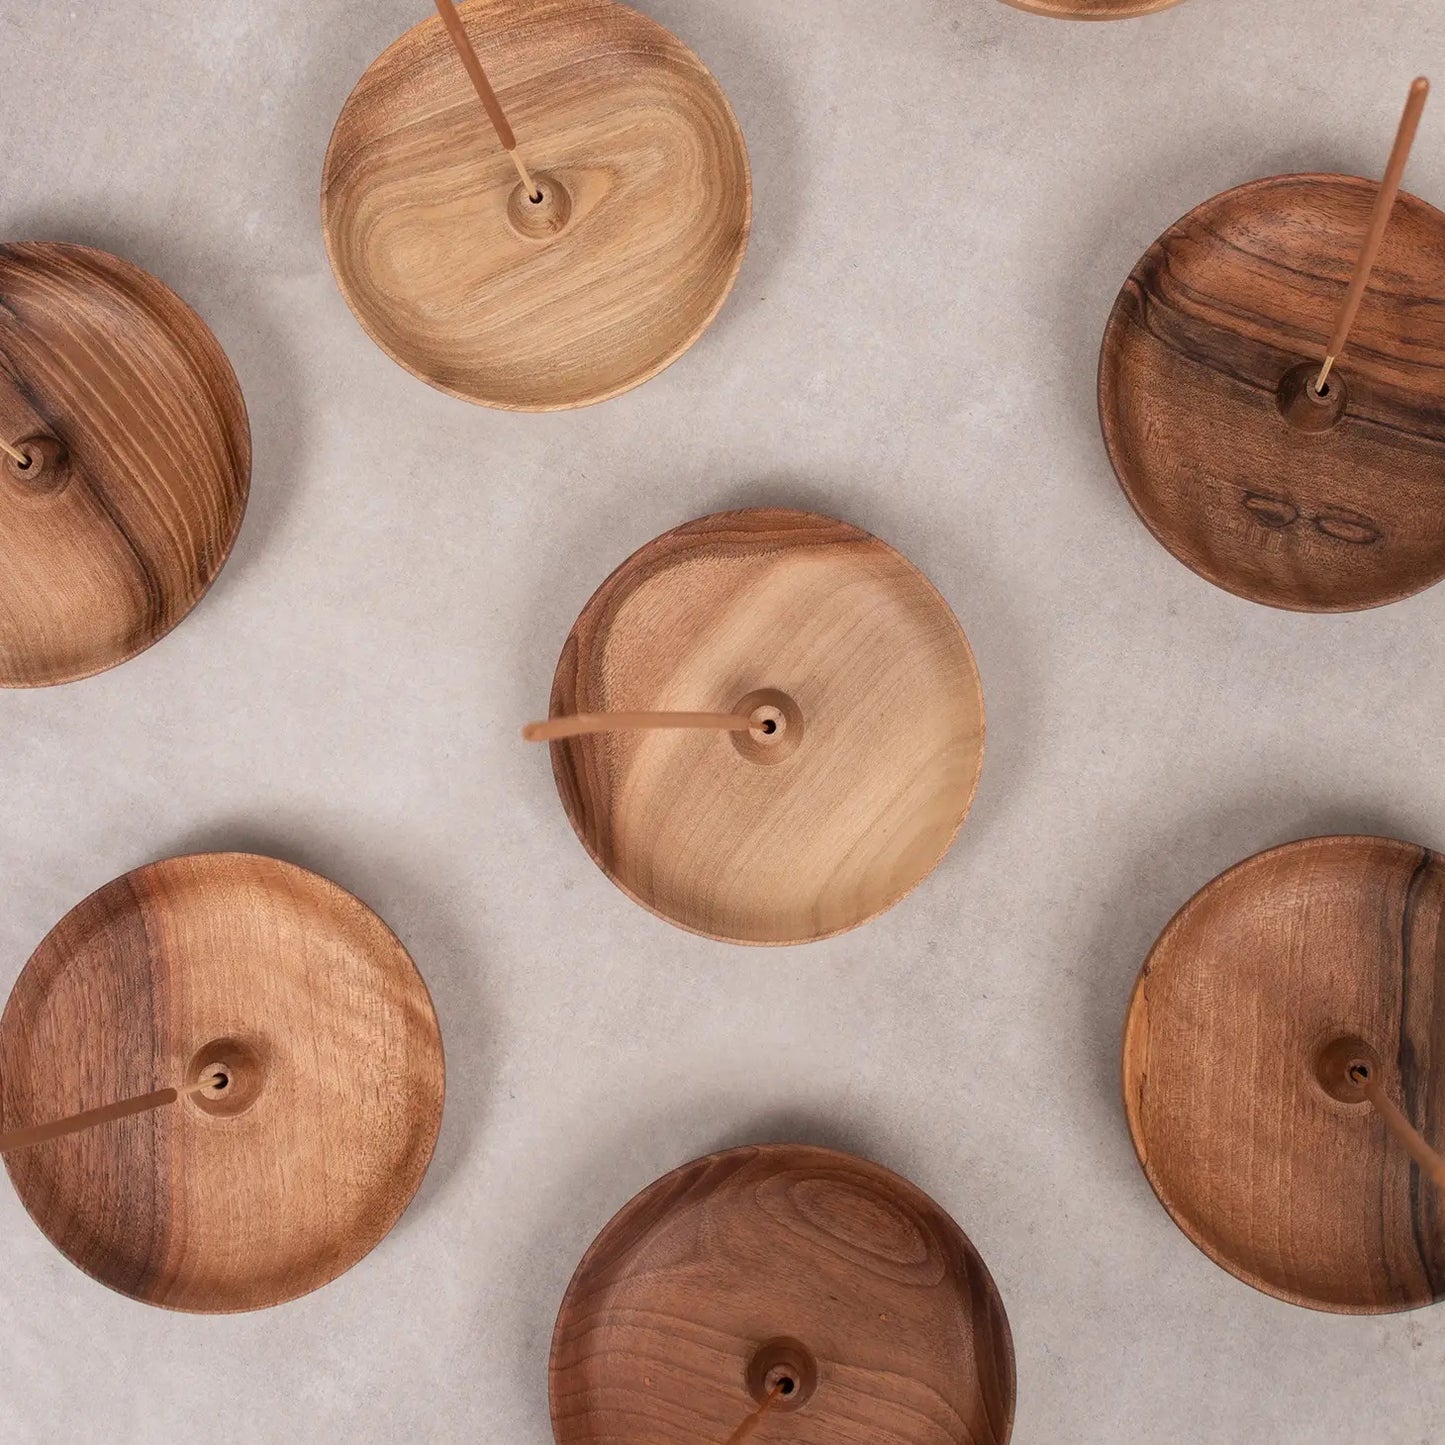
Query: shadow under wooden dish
1258	980
138	461
1324	504
243	1199
458	276
1093	9
846	809
789	1271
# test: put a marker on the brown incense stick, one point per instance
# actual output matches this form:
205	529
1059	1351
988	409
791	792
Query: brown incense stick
1431	1164
458	32
1379	220
106	1114
756	1418
21	459
608	722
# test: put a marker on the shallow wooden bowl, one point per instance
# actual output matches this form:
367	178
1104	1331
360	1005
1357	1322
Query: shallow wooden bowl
782	1266
1298	1192
1210	421
455	274
866	791
140	461
1092	9
237	1201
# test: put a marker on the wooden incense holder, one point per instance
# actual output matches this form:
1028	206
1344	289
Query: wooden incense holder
1250	1009
832	809
1092	9
1317	503
138	461
454	271
244	1196
790	1269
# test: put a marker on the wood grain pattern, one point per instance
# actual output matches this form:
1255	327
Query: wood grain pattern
228	1201
1298	1190
782	1263
1323	509
143	456
647	202
849	806
1092	9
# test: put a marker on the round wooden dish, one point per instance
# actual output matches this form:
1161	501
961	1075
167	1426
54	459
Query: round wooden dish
455	274
1256	982
233	1201
862	796
1213	430
1092	9
784	1266
139	461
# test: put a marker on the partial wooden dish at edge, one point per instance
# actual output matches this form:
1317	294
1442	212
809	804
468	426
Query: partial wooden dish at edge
791	1269
455	274
1254	986
227	1201
1093	9
841	813
139	461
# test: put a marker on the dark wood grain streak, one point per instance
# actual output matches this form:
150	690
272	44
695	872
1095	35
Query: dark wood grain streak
1229	303
860	1271
887	757
1298	1193
235	1202
108	547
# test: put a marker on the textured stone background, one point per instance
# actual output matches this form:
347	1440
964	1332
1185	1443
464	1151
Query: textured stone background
949	193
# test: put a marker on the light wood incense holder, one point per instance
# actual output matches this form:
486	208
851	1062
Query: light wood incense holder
1246	1031
845	741
289	1169
782	1292
457	274
125	461
1231	457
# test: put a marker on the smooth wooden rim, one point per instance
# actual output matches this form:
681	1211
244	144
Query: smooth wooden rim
603	393
1135	1020
600	598
620	1220
223	362
317	884
1109	408
1069	10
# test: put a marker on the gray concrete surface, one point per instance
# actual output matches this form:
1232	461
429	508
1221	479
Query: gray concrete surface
949	193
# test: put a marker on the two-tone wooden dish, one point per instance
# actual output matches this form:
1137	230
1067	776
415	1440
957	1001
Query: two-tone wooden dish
261	1073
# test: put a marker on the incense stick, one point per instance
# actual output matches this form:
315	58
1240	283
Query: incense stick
21	459
458	32
578	724
107	1113
1379	220
1432	1165
756	1418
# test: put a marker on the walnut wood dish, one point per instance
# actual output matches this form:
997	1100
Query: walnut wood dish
1303	955
789	1271
138	461
1319	504
853	793
644	217
247	1196
1092	9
